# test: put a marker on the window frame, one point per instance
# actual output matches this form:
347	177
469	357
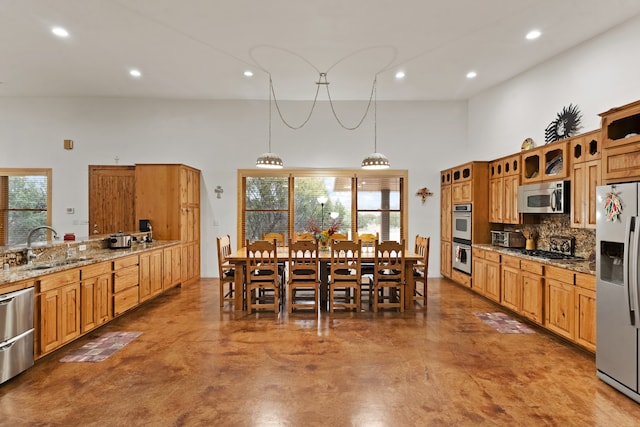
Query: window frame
47	172
291	174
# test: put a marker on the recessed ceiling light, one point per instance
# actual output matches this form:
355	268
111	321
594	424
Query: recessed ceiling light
60	32
248	73
471	75
400	75
135	73
533	34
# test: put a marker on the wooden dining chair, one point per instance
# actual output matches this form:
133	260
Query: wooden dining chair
345	276
226	271
389	276
281	242
368	241
303	283
304	236
339	236
262	278
421	268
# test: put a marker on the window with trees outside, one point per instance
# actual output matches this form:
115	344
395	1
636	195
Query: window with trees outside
308	201
25	200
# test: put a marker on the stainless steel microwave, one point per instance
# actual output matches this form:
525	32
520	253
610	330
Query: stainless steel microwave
544	197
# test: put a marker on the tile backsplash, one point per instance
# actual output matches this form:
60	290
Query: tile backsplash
559	225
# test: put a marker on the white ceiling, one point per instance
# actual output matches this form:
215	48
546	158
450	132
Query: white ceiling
198	49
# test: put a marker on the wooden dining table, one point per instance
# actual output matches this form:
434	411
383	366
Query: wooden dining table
239	259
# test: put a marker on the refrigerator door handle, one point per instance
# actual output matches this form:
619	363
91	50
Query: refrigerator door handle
630	270
633	272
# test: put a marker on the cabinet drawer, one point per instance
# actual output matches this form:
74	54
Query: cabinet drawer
123	301
125	278
125	262
492	256
532	267
510	261
95	269
587	281
56	280
561	274
477	253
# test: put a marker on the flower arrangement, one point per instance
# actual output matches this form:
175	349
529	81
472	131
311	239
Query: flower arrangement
323	236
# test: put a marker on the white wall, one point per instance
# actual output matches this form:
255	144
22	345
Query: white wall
598	75
219	137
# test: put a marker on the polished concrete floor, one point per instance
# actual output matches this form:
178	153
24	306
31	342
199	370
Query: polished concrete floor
197	364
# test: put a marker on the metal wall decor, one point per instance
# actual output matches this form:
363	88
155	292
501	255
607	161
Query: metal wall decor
565	125
423	193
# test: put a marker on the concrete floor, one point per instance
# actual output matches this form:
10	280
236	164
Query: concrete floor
198	364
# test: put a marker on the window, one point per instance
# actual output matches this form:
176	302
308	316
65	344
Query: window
25	200
287	201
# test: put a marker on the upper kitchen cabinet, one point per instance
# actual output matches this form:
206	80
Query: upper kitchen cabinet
547	163
168	195
621	143
468	182
585	177
504	179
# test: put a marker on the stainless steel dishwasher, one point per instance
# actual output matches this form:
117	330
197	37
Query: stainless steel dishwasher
16	333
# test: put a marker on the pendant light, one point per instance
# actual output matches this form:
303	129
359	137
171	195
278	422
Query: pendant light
375	160
269	160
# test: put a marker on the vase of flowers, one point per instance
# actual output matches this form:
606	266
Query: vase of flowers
323	236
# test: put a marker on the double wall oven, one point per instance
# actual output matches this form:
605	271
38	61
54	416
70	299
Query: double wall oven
462	237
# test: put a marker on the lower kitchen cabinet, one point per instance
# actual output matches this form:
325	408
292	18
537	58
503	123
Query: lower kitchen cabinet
586	311
150	269
560	301
171	266
511	296
95	296
532	290
59	309
445	259
125	284
486	273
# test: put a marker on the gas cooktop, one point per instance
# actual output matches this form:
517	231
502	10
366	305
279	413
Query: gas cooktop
546	254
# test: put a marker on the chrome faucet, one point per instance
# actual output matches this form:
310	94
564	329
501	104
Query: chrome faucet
30	255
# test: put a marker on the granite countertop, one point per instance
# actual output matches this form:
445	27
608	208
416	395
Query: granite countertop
90	256
580	266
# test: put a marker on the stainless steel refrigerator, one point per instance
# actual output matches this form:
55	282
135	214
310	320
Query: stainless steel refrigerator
618	292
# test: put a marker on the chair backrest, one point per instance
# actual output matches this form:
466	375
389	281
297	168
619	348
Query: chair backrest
224	251
338	236
280	238
345	260
303	236
262	261
419	245
368	240
424	252
303	260
389	261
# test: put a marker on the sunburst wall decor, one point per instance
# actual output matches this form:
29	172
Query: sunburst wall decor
565	125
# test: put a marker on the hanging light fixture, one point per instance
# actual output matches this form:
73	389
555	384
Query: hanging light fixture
375	160
269	160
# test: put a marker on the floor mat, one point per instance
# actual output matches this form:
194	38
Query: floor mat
504	324
101	348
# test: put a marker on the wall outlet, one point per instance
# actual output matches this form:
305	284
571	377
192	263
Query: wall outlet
70	210
82	247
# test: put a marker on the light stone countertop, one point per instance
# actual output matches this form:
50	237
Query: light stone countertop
581	266
90	256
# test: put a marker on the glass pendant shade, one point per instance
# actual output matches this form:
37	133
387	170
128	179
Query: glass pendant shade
269	161
375	161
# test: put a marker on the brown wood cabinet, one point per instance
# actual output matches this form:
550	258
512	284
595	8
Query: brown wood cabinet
486	273
560	303
550	162
511	293
586	175
585	306
58	300
96	305
150	269
504	180
532	290
111	199
621	143
445	222
126	284
446	252
171	267
169	196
